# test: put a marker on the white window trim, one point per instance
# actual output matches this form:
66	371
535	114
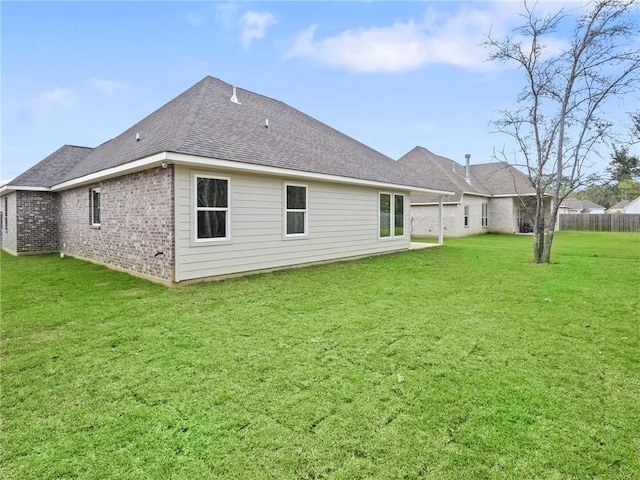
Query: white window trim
379	223
485	215
465	216
392	215
196	209
91	196
287	210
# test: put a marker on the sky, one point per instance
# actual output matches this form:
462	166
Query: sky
393	75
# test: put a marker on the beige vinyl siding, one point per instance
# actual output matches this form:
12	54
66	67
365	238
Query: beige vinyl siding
343	222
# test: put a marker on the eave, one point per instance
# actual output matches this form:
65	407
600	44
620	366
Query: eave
166	158
6	189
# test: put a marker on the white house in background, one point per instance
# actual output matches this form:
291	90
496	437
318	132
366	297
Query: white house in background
618	207
489	197
218	181
575	205
626	206
633	206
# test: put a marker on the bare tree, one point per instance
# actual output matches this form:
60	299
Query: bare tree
558	120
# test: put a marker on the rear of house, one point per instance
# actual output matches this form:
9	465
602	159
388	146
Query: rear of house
490	197
218	181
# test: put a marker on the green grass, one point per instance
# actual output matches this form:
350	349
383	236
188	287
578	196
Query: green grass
462	362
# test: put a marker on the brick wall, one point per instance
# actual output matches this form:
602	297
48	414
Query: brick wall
425	220
502	215
137	222
36	222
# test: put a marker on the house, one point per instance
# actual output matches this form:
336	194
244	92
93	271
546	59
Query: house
575	205
618	207
218	181
489	197
633	206
626	206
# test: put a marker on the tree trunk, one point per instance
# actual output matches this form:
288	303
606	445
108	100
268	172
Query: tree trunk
546	251
539	237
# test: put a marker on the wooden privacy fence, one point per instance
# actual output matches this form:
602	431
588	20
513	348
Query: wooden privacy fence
603	222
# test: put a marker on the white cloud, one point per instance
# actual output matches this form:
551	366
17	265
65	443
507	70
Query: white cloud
46	102
108	87
254	26
390	49
438	38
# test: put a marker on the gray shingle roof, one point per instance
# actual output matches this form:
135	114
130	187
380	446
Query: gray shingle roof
53	169
621	204
442	171
203	121
577	204
497	178
500	178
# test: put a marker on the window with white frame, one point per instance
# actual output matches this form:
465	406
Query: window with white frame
212	208
6	214
466	216
391	215
296	214
485	215
398	215
95	206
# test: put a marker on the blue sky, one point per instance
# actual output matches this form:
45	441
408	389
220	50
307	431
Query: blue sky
392	75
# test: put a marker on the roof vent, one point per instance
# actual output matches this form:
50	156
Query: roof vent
234	97
137	137
467	170
266	123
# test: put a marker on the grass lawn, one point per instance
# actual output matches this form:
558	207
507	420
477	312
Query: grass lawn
462	362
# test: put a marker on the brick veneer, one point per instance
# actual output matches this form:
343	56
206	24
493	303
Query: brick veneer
137	223
36	222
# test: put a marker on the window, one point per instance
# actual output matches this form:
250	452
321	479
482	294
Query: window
296	210
398	217
385	215
6	214
391	207
466	216
485	215
94	202
212	208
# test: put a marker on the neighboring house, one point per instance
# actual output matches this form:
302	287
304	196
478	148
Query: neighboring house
626	206
490	197
218	181
619	207
633	207
575	205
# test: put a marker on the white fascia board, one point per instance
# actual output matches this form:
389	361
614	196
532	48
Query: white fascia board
197	161
478	194
505	195
5	189
136	166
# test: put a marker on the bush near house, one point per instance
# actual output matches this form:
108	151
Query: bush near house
466	361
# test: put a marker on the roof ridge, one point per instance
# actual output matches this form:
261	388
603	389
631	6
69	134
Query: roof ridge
194	109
